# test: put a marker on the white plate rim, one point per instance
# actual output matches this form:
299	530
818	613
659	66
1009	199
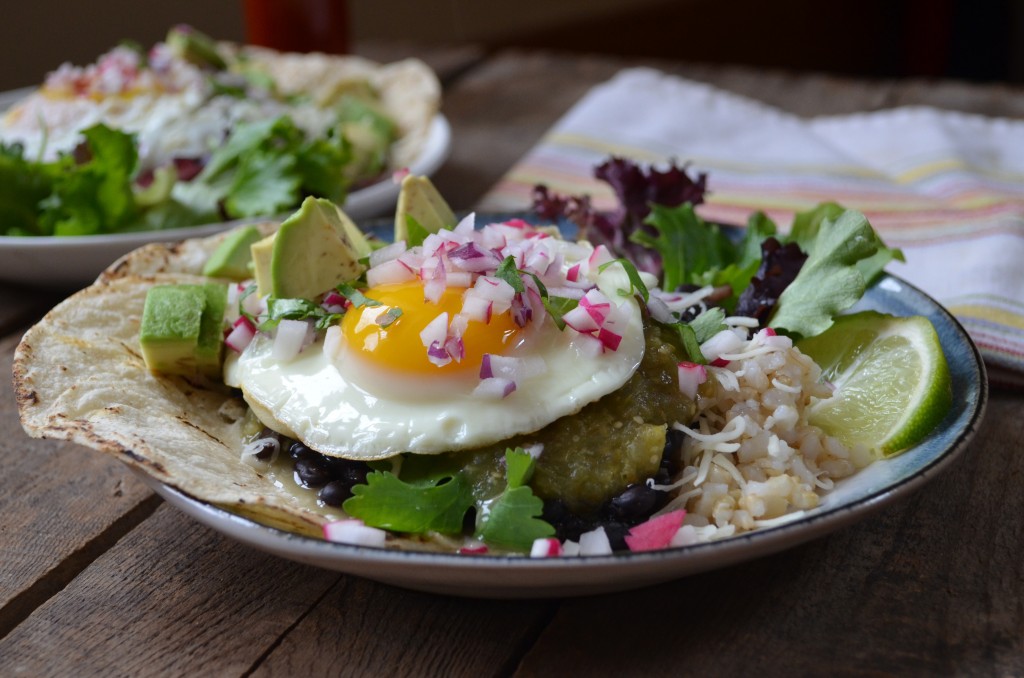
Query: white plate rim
82	258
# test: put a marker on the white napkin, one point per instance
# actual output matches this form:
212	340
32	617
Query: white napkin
947	188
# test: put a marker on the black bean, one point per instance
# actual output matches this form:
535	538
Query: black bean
350	470
299	451
673	442
312	470
567	524
635	503
617	535
335	492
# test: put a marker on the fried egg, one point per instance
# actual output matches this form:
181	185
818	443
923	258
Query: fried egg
376	384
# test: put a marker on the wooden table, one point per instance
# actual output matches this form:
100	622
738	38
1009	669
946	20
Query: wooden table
99	577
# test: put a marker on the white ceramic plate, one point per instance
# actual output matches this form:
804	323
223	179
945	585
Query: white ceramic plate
506	577
75	261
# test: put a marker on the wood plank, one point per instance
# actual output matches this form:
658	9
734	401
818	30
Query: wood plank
931	586
381	630
62	505
171	598
22	305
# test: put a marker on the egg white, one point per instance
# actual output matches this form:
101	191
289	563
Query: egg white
348	408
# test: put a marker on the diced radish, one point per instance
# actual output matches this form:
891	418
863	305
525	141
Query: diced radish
334	302
241	335
609	339
691	376
494	289
656	533
289	338
546	548
573	274
354	532
598	258
580	320
595	543
570	548
587	345
474	550
495	388
597	305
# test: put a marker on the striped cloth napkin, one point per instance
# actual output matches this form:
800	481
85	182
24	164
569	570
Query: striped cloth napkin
947	188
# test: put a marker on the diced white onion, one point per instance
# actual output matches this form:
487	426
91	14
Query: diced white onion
494	388
387	253
354	532
289	339
595	543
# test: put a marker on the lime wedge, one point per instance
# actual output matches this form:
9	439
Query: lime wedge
892	381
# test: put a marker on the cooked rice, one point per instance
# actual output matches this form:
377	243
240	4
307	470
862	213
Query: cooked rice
751	459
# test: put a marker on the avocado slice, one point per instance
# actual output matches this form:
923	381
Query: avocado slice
316	249
231	258
195	47
421	211
181	328
262	252
210	343
369	133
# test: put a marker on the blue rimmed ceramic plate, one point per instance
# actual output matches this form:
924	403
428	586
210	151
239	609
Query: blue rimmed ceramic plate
853	499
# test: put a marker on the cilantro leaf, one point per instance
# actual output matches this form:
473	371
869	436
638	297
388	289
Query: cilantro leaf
264	183
688	338
279	309
512	520
509	272
558	307
708	324
519	467
95	195
636	283
23	185
357	298
829	281
389	503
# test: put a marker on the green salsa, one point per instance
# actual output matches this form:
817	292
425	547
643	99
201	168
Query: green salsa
593	455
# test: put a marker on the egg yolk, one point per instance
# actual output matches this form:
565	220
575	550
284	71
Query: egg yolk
398	346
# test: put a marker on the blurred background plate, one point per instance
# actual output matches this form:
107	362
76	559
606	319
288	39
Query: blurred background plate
75	261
